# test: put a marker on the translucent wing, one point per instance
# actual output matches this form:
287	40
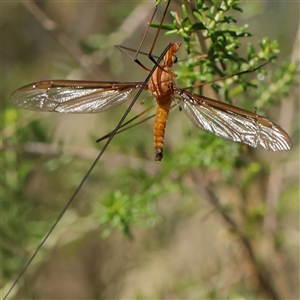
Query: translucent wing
234	123
70	96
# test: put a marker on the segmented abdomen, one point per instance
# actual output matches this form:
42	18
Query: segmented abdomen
159	127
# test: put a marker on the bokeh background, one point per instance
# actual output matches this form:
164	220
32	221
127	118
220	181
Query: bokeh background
197	235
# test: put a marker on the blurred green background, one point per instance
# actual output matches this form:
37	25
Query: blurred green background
205	225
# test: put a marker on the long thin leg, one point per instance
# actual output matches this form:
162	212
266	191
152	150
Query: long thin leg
157	33
151	57
133	125
128	122
224	77
69	202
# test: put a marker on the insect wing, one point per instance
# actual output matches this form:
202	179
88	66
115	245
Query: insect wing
233	123
65	96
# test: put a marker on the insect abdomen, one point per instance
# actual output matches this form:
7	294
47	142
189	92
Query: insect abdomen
159	129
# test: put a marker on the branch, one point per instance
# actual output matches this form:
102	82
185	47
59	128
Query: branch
72	48
208	191
277	172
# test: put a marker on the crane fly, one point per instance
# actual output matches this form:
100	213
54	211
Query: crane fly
218	118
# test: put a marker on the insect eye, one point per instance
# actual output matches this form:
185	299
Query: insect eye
175	59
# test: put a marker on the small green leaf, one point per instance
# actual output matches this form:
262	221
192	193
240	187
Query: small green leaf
163	26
